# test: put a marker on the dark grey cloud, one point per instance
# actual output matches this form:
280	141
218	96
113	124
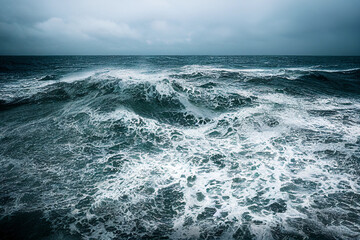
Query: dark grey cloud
321	27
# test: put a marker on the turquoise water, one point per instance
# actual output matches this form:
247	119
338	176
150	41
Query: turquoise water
171	147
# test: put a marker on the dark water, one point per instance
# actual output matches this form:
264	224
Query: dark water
179	147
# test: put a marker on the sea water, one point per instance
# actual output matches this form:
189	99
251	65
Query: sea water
179	147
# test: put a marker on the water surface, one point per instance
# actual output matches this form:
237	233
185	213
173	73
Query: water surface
179	147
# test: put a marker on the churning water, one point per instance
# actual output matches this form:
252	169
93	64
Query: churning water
179	147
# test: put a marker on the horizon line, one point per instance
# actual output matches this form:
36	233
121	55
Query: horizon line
179	55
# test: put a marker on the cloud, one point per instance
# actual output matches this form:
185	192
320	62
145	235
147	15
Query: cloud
180	27
85	28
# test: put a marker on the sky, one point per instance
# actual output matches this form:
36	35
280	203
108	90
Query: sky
189	27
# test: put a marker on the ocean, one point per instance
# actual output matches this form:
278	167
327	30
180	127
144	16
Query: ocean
179	147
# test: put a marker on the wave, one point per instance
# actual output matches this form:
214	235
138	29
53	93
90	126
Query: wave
300	80
168	101
193	87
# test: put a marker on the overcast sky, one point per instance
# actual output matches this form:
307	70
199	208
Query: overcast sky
241	27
